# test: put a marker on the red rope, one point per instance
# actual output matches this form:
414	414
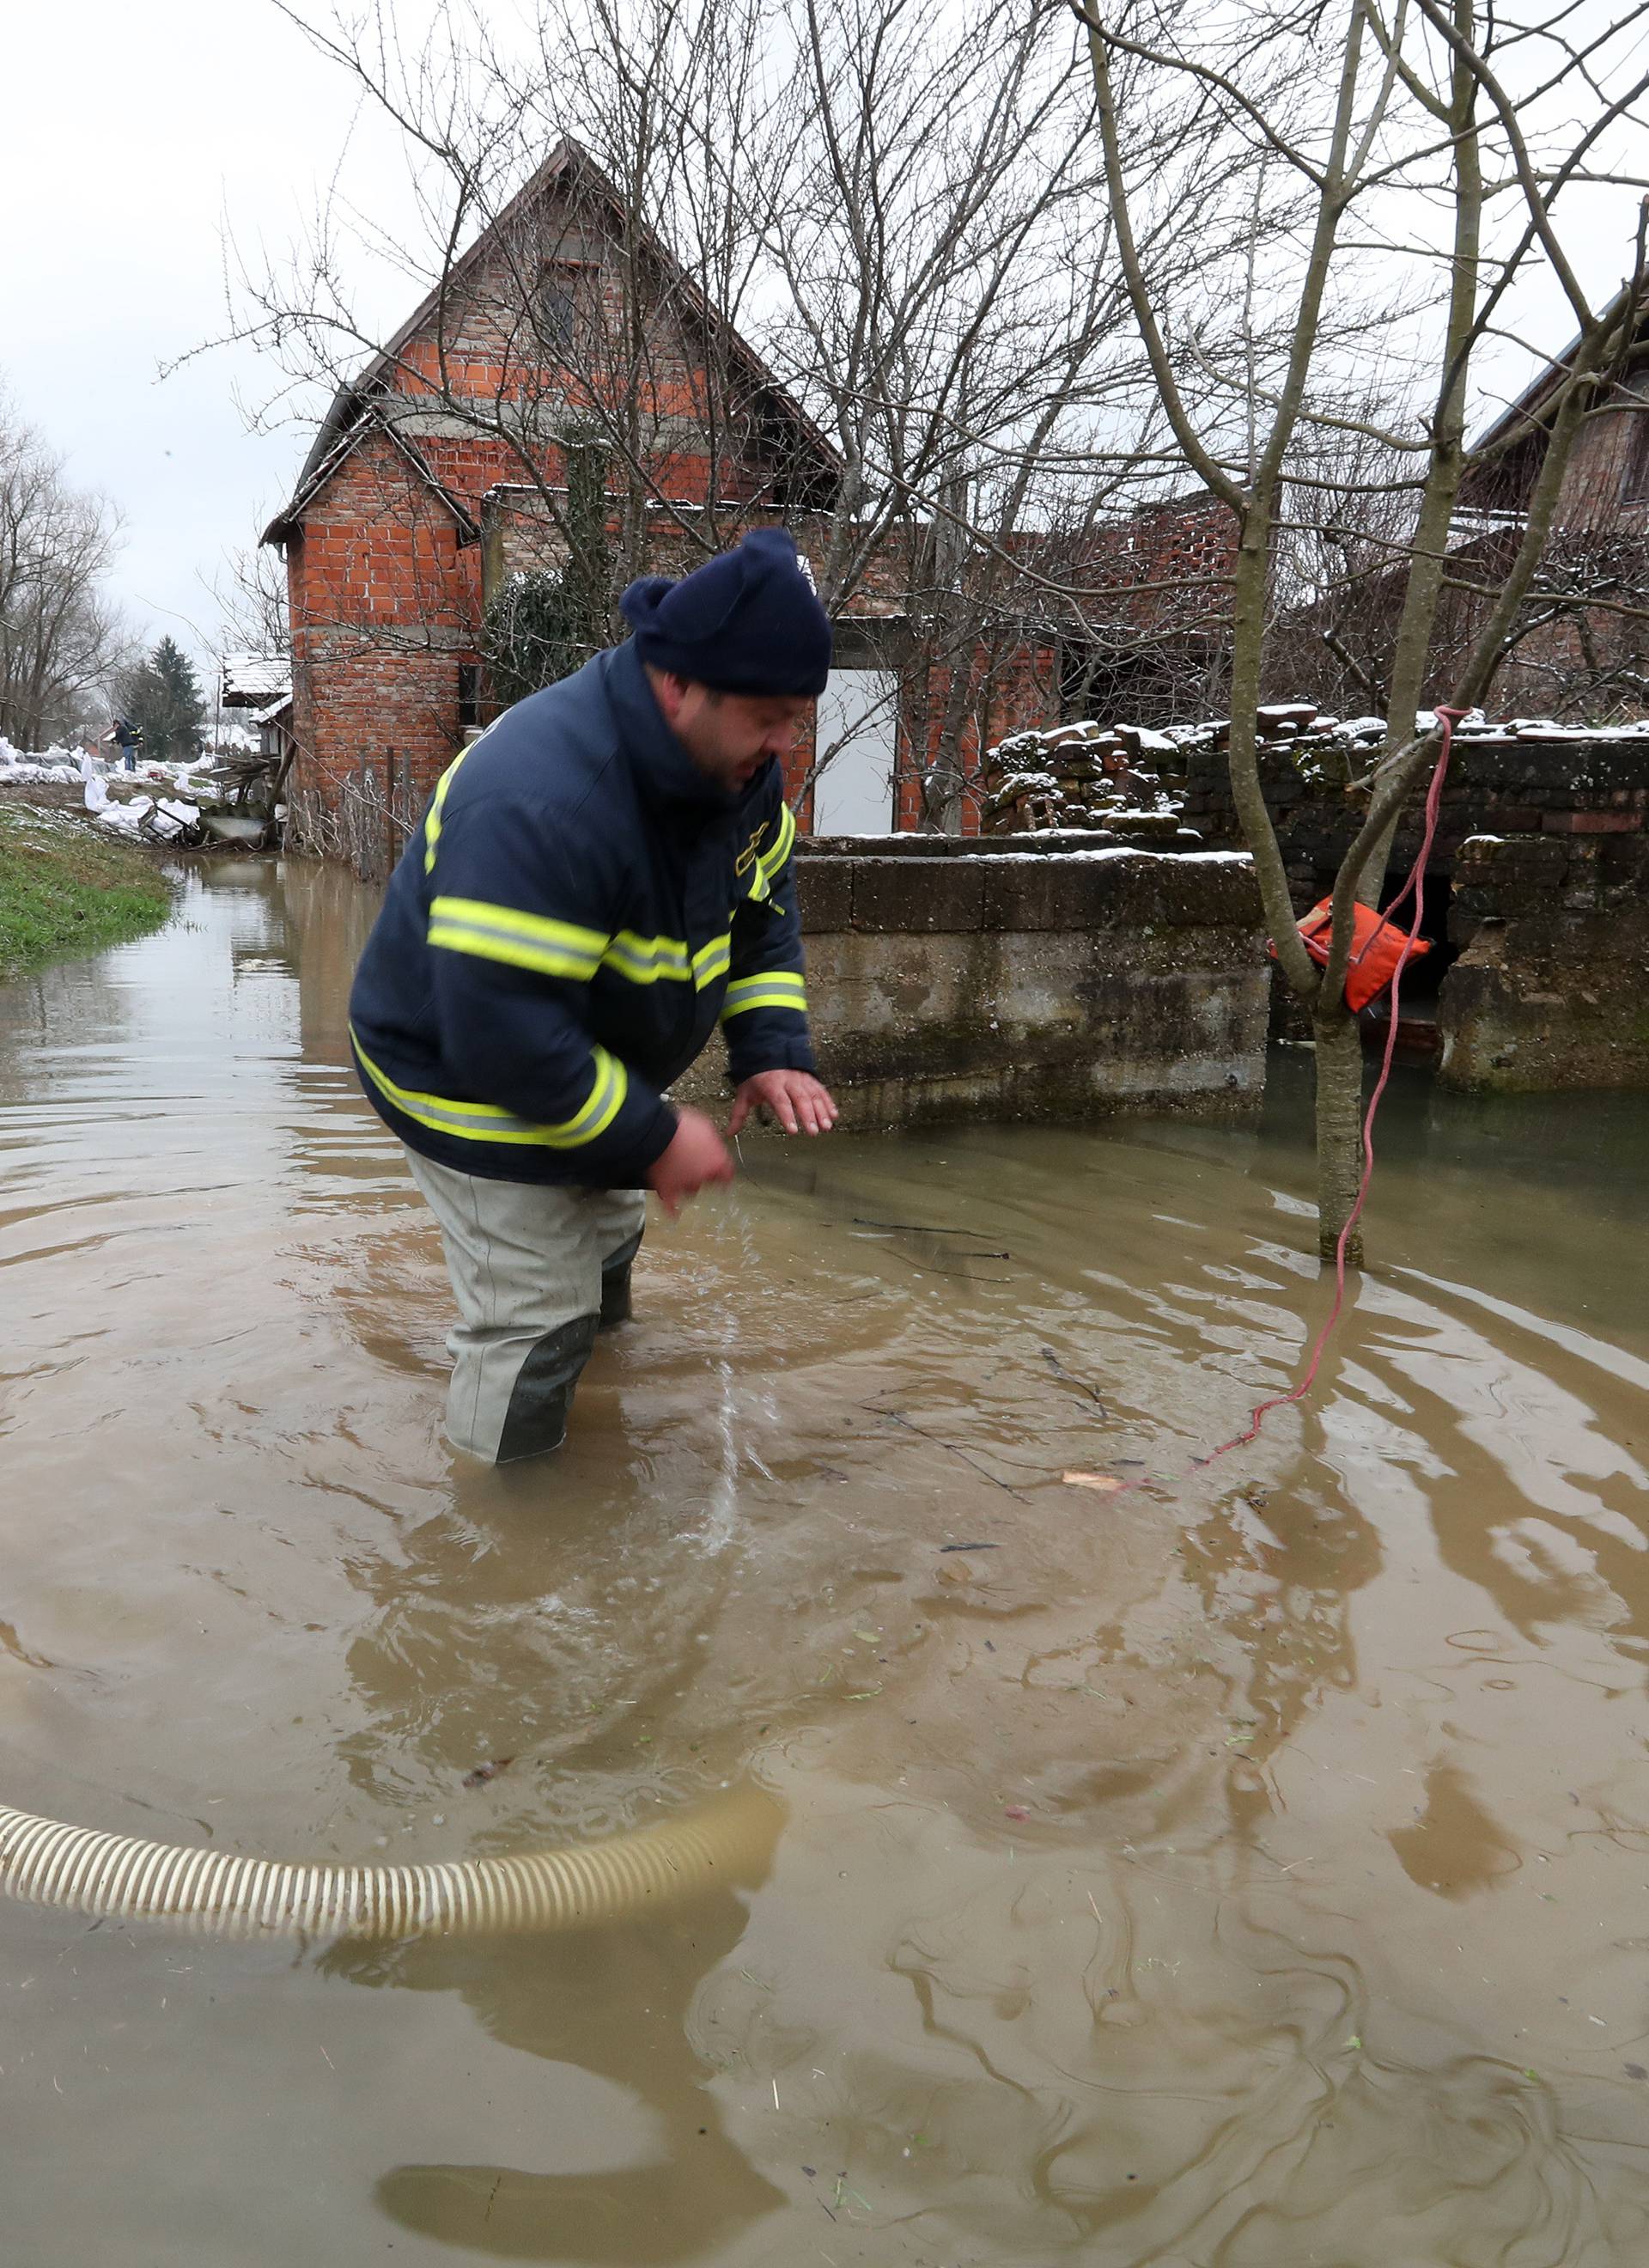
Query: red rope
1448	719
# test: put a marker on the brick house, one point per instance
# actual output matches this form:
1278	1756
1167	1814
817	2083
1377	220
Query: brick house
443	468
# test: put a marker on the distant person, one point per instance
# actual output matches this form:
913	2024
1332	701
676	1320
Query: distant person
600	877
127	739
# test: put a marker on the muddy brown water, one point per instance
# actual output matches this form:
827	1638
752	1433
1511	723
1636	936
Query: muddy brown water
1250	1869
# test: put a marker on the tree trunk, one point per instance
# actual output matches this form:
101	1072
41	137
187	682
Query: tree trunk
1339	1126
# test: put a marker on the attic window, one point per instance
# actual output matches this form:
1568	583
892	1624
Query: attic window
561	298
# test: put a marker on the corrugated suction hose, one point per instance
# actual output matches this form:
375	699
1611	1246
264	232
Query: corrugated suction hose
649	1867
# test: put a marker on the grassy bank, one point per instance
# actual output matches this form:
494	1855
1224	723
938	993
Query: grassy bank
64	890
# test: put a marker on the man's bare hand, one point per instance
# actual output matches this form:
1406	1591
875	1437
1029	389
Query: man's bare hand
795	1098
697	1155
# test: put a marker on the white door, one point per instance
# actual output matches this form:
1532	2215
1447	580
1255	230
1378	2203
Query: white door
859	719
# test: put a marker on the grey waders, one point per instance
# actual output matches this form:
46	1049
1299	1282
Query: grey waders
537	1270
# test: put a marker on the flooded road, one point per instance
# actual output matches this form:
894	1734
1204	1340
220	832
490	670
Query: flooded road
1248	1870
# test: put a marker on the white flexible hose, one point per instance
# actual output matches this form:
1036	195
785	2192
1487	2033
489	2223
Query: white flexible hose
53	1864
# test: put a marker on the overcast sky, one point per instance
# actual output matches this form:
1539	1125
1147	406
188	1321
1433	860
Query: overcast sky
129	129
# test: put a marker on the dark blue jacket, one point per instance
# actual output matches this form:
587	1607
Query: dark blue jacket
580	908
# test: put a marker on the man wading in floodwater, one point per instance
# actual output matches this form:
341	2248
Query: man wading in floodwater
600	877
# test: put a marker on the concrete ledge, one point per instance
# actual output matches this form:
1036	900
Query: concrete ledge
824	893
897	894
1550	991
1050	986
957	846
965	888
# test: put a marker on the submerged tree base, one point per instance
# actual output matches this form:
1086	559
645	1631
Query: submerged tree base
65	890
1339	1067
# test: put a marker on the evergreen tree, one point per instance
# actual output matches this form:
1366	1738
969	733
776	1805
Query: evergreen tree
162	696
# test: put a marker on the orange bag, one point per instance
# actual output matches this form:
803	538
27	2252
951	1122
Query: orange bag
1376	949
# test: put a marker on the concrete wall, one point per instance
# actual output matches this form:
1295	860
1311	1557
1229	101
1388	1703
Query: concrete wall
1552	988
949	981
1541	836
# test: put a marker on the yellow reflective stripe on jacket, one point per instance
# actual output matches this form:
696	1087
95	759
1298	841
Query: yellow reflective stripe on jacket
712	961
644	959
432	822
522	940
484	1122
771	860
769	864
779	988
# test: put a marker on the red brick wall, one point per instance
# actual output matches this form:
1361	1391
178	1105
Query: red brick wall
1011	689
383	598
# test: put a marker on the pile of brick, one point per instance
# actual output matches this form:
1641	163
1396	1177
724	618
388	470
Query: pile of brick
1091	777
1127	781
1171	786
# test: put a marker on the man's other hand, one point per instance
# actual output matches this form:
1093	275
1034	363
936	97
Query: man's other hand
795	1098
697	1155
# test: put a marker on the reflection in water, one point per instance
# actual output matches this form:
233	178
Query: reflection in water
1454	1847
1247	1870
647	2172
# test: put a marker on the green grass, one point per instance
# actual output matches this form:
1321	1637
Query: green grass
64	890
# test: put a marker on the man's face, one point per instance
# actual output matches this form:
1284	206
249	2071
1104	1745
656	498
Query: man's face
729	736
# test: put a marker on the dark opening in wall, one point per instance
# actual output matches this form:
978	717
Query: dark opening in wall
1131	680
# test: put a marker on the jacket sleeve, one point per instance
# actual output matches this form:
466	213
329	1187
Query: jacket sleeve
517	929
765	1013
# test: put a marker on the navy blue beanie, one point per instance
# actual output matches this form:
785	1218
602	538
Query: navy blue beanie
747	622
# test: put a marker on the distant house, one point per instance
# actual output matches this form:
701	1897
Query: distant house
1606	484
274	728
252	680
1577	651
446	467
1583	651
409	512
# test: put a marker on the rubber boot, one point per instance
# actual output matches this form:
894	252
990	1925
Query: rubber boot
536	1420
616	1269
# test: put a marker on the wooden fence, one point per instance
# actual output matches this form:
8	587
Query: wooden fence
368	823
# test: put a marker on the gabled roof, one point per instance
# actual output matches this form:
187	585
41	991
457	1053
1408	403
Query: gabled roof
1524	411
571	165
248	681
319	467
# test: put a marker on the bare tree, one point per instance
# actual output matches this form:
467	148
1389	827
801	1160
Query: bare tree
1340	556
1442	152
601	316
953	312
250	594
911	229
60	635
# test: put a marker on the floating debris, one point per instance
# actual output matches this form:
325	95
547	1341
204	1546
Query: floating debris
482	1773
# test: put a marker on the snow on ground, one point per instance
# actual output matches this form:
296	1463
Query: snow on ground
166	817
53	763
143	817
